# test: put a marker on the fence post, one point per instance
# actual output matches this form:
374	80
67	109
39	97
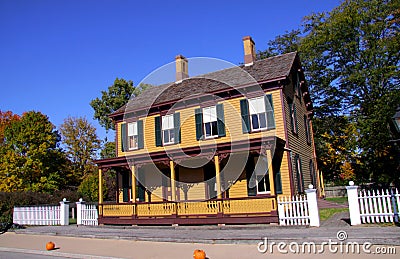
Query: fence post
79	206
64	212
354	207
312	206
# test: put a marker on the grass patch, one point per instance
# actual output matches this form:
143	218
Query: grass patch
340	200
72	221
325	214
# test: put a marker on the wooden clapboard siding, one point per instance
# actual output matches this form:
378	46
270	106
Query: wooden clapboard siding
195	178
188	130
285	176
239	188
298	142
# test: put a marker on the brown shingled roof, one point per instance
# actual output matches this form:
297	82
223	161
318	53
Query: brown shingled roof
270	69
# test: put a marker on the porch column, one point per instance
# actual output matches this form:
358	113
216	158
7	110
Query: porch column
218	176
100	186
133	183
173	187
270	172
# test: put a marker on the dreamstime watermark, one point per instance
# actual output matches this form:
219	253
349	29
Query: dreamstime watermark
338	246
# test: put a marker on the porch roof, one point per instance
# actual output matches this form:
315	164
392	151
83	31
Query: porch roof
251	145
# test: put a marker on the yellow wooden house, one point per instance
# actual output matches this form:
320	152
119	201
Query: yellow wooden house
213	149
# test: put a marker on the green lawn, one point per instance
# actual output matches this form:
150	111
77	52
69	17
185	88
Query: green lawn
340	200
325	214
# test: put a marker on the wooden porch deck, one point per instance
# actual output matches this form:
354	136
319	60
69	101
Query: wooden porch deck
221	211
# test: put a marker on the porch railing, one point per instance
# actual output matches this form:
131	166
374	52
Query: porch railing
189	208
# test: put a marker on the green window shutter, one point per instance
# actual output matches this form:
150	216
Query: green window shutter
125	187
251	191
141	191
124	140
157	122
199	123
177	127
244	110
220	120
278	183
269	108
140	134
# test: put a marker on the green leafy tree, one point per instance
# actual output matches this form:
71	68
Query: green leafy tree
351	57
30	156
117	96
89	188
81	144
108	150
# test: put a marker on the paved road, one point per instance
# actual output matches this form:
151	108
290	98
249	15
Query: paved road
19	255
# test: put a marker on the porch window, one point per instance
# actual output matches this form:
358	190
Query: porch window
210	122
262	177
299	174
133	137
258	114
168	130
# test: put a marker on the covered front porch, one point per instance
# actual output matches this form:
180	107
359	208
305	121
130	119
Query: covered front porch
215	187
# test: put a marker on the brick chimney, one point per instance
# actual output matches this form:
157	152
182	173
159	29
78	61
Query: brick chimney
181	68
249	51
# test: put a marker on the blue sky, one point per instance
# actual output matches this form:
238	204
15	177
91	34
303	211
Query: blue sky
56	56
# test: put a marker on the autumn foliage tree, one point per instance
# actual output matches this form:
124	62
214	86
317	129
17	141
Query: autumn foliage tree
30	158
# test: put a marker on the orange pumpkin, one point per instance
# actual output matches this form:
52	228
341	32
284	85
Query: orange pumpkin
50	246
199	254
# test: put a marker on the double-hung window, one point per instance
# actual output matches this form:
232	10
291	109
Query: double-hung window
210	122
133	136
262	177
168	129
258	113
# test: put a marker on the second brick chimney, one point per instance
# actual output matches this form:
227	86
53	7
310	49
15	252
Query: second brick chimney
181	68
249	51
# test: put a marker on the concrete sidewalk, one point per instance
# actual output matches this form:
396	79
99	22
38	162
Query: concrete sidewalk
75	247
239	234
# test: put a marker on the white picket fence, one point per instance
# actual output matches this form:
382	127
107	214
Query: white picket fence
37	215
299	210
87	214
293	210
55	215
379	206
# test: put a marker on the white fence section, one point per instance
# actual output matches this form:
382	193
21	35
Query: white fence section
42	215
299	210
87	214
373	206
38	215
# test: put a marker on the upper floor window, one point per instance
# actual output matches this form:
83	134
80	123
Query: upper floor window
307	129
293	116
210	122
168	131
133	136
257	113
297	85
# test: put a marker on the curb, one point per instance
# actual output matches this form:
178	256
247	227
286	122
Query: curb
54	253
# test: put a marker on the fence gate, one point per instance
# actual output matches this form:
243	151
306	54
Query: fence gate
87	214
